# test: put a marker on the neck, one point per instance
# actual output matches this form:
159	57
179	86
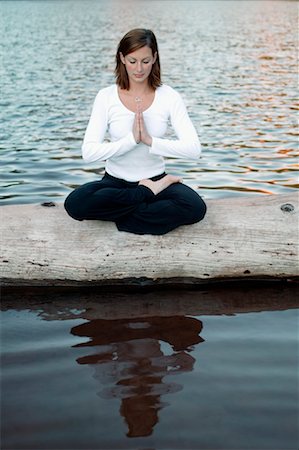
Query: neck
139	90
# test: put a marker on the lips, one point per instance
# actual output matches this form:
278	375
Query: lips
139	75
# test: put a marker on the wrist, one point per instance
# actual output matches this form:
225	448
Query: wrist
149	141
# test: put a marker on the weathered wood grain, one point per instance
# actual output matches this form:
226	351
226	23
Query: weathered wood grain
252	237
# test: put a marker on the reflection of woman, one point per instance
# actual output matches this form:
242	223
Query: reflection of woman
130	363
135	191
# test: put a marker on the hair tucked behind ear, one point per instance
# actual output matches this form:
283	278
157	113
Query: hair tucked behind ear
133	40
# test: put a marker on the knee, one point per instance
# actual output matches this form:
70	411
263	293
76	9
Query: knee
200	210
191	205
195	210
72	208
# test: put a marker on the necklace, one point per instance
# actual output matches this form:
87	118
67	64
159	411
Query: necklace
138	100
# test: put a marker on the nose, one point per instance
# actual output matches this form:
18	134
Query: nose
139	66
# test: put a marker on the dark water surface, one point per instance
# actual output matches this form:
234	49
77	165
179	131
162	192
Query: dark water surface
235	63
214	369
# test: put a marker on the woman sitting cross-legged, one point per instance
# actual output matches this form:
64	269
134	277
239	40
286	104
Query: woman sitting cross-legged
135	191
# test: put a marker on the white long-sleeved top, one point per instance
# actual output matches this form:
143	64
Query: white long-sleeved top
125	159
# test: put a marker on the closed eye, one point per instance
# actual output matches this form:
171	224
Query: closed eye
144	62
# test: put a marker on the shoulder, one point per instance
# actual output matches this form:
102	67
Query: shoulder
165	89
168	93
170	98
107	92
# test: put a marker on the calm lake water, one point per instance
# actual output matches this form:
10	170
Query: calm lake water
235	63
192	370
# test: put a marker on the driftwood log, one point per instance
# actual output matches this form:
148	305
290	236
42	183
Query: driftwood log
240	238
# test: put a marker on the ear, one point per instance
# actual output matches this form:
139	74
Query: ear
122	58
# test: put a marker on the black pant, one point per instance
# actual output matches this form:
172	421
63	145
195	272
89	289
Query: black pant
134	208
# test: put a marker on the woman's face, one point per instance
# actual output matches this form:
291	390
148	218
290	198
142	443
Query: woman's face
139	64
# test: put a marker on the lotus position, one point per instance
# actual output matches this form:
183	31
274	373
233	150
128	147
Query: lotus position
135	192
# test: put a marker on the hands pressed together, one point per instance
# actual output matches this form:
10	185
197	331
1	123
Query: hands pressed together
139	129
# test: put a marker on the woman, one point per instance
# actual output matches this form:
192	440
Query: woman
135	191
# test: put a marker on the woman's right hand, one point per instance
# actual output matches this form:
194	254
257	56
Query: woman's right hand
136	128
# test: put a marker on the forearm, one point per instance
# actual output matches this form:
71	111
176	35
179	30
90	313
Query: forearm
178	148
100	151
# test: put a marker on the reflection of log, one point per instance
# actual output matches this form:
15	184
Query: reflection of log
90	304
254	237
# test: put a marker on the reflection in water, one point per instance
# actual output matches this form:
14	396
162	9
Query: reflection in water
132	361
246	380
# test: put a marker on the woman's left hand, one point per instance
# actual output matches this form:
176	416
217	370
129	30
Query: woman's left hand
144	136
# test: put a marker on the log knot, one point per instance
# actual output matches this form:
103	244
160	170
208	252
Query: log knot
287	207
48	204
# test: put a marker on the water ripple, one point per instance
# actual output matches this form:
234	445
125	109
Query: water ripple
239	83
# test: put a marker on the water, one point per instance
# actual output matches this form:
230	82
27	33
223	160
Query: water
214	369
200	370
234	62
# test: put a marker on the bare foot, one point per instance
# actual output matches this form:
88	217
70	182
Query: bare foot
158	186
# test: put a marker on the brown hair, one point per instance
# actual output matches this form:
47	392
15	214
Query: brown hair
134	40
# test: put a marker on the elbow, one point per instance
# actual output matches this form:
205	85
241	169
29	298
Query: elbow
87	154
85	157
195	150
